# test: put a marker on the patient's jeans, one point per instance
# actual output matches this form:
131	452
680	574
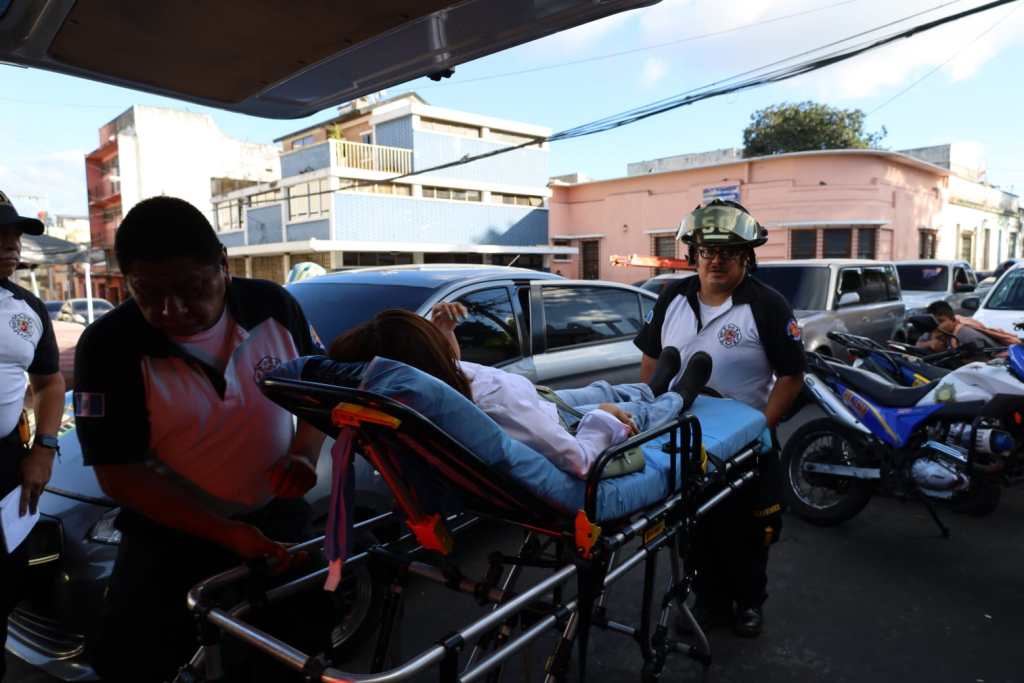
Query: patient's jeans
648	411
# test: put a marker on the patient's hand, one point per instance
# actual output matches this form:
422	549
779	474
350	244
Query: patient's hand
621	415
446	316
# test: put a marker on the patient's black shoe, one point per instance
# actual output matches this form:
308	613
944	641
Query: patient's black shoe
669	364
749	622
707	617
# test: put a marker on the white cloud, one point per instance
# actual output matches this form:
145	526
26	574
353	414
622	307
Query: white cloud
653	71
778	35
52	181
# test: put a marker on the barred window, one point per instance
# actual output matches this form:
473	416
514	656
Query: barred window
516	199
451	193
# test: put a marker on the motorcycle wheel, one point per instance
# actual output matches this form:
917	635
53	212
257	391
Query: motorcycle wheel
823	499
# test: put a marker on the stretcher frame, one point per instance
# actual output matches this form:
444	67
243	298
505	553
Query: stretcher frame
576	548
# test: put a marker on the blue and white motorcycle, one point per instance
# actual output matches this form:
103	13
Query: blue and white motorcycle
957	440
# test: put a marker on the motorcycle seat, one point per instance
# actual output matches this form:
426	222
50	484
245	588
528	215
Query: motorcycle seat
881	391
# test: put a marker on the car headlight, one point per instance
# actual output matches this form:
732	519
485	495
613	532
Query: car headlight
104	531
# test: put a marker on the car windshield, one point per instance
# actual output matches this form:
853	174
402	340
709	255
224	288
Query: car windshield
1009	293
804	287
334	307
923	278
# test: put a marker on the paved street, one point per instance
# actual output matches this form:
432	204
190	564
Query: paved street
882	598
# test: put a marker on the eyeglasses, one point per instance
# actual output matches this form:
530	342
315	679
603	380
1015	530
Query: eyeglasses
724	255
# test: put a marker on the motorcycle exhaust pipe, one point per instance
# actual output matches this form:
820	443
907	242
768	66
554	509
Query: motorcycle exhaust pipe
832	404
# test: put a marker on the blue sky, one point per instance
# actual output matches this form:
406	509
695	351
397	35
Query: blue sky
48	121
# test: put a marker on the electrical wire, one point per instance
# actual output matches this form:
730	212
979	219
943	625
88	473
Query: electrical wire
643	48
956	54
718	89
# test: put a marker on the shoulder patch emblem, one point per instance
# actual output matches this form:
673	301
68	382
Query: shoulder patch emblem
22	325
729	336
266	365
793	330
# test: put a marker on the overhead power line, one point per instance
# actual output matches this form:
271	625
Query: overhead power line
956	54
764	75
642	48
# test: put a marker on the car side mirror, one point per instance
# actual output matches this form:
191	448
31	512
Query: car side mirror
848	299
961	287
971	303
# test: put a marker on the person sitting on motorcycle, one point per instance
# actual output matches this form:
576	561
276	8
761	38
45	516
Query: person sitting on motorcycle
950	333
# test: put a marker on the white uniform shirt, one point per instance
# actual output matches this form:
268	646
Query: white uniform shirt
27	345
512	401
750	337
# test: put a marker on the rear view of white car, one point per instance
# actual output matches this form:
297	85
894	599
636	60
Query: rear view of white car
1004	304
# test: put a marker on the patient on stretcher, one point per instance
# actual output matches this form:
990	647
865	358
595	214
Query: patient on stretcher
570	427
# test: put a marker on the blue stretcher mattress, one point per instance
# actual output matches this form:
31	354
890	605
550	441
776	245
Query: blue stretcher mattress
728	427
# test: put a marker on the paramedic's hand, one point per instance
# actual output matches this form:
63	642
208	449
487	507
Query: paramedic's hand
249	543
292	476
621	415
446	316
35	473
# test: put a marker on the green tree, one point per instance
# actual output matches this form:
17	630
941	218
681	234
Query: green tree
806	126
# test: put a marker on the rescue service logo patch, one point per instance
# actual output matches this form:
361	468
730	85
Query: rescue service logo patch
22	325
266	365
729	336
793	330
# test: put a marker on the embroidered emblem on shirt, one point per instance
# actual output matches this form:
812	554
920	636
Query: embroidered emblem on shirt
22	325
793	330
90	405
266	365
729	336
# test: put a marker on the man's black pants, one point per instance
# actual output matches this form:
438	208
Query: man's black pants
13	566
147	632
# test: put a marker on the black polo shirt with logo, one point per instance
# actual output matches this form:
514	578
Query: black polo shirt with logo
142	398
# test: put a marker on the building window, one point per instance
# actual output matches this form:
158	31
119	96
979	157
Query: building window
355	259
663	246
309	200
451	193
229	215
516	199
590	257
512	138
1012	245
966	246
456	257
803	244
531	261
379	188
264	198
837	243
561	258
303	141
366	138
926	244
866	243
450	128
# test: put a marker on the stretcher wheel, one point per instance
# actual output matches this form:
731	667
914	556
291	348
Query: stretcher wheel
825	500
358	603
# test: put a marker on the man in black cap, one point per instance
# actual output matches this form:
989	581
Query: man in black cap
27	345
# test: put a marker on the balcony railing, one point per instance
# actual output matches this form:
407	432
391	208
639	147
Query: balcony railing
372	157
102	191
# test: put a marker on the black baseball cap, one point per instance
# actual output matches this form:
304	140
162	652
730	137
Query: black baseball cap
9	216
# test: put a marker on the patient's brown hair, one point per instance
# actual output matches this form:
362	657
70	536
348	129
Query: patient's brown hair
406	337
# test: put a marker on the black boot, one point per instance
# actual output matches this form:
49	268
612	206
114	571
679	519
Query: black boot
669	364
749	622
